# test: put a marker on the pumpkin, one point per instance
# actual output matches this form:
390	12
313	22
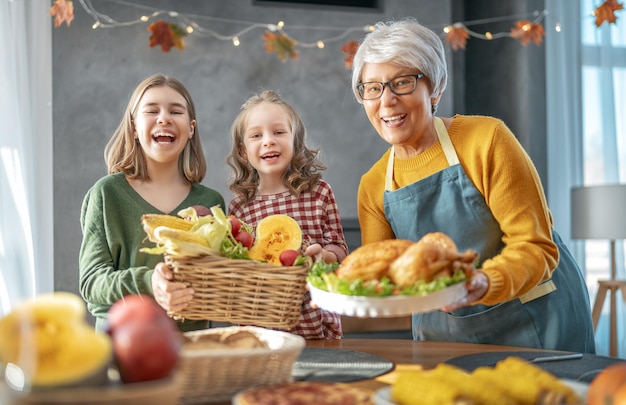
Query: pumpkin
275	234
49	339
609	387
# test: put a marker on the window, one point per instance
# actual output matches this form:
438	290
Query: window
603	91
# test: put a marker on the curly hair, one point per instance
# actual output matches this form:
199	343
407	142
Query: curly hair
123	154
303	172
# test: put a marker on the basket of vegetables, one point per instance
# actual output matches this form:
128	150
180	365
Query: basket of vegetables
240	275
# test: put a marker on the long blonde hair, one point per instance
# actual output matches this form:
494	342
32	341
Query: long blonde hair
123	154
302	173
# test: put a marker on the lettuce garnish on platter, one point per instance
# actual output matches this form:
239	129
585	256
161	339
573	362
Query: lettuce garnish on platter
322	276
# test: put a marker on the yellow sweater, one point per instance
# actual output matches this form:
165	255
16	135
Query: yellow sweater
503	173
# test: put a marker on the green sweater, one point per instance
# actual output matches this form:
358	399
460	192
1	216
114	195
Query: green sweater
111	265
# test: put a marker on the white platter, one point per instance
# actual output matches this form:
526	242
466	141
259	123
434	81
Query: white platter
383	395
381	307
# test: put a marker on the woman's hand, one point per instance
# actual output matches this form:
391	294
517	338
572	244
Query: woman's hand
318	253
476	288
170	295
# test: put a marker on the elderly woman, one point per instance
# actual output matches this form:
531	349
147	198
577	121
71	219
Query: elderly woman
469	177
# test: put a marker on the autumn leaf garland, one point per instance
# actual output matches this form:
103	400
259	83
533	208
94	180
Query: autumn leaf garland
168	35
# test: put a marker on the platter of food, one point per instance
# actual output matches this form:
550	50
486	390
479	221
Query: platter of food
383	395
512	380
389	306
305	392
394	277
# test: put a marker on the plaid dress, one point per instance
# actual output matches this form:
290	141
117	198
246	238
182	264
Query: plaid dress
318	216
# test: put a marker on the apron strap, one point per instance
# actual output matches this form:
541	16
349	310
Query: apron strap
446	145
389	173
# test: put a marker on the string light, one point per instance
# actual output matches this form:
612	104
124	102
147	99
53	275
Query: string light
488	36
191	24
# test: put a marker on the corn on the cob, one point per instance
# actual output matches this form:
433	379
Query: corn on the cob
164	234
151	221
481	393
542	381
425	387
517	388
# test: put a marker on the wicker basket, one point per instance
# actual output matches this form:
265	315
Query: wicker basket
217	375
243	292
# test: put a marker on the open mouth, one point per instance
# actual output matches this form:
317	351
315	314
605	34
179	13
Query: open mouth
272	155
394	119
163	138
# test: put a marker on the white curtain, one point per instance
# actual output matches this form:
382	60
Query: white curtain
26	215
586	97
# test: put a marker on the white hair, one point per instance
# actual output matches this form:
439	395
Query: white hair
405	43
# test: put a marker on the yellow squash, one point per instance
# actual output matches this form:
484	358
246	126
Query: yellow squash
49	340
275	234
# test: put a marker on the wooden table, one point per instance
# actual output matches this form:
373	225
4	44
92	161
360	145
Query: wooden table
426	354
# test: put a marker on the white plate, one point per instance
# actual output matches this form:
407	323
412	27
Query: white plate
380	307
383	395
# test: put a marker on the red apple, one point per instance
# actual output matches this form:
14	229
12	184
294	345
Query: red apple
235	225
134	307
288	257
201	210
245	238
145	351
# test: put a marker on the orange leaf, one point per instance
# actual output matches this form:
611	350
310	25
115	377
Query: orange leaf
457	36
177	36
527	31
167	35
349	48
606	12
280	44
62	10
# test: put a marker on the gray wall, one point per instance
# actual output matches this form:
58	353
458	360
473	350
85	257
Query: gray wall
94	72
506	79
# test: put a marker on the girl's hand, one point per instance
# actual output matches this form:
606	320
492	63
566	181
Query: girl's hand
318	253
476	288
170	295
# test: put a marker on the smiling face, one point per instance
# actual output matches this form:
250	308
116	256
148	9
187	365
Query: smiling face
268	141
162	125
404	121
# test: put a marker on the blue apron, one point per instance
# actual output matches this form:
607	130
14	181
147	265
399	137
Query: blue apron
556	318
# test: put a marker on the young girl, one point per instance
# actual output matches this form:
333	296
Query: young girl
155	165
276	173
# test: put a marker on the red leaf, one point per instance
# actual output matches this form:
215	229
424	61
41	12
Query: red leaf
62	10
606	12
167	35
349	48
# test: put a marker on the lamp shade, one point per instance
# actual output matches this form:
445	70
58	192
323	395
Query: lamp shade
599	212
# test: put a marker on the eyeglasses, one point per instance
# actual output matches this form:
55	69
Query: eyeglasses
399	86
